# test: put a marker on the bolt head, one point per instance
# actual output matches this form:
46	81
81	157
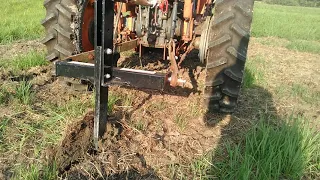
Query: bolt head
109	51
108	76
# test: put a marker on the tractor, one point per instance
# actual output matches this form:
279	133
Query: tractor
218	29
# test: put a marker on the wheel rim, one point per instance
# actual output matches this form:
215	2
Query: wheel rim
87	27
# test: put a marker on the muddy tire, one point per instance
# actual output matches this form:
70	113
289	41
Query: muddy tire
59	25
228	38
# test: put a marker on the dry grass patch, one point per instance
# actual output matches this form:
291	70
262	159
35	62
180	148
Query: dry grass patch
296	45
290	77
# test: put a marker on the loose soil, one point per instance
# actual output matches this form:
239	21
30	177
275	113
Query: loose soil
156	131
149	151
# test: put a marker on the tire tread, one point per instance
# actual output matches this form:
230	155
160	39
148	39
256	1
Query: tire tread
227	53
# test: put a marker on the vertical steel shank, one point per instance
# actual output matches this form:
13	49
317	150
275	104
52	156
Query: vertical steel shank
103	39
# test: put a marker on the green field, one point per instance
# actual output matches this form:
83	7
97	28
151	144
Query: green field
299	25
20	19
273	135
292	23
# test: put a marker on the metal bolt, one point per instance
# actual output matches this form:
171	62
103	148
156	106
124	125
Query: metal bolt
108	76
109	51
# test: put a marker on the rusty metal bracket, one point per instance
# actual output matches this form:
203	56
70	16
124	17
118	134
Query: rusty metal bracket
174	67
125	46
88	57
184	55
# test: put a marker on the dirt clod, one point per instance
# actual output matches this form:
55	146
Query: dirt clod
75	144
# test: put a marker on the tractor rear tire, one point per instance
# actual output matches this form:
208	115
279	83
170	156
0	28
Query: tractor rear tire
62	34
228	39
60	27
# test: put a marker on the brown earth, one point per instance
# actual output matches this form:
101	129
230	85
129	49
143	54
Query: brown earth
174	130
155	131
164	141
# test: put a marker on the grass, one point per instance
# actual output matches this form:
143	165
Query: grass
140	125
127	100
296	45
307	95
199	167
3	125
113	99
181	121
24	93
24	62
299	25
288	150
254	72
20	19
73	109
158	105
304	46
31	132
292	23
24	139
300	94
36	171
27	136
270	149
4	95
194	109
273	41
309	3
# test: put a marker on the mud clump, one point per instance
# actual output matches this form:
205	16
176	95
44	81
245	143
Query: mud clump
76	150
75	144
